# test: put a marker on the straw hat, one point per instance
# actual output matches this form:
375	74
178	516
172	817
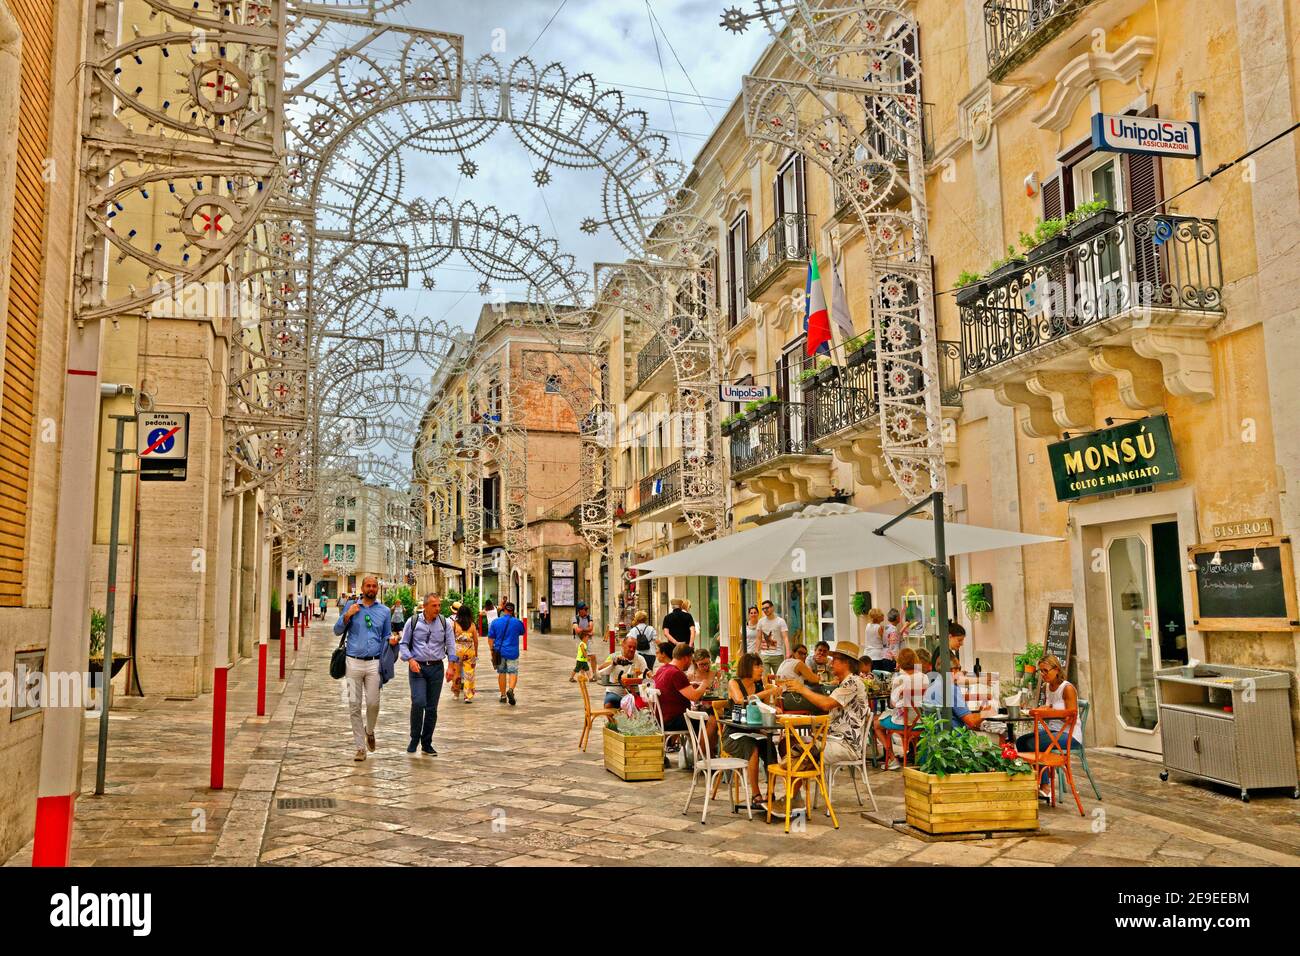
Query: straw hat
847	651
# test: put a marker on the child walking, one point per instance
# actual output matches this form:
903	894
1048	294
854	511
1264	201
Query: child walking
580	665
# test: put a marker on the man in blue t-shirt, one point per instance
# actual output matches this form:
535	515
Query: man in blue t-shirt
961	714
503	641
369	628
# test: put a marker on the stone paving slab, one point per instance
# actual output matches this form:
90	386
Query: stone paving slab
510	788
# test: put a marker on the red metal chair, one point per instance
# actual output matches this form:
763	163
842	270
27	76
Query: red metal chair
1055	756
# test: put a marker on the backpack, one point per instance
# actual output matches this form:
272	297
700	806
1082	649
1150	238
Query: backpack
642	641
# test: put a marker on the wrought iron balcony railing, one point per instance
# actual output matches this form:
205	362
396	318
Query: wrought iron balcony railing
491	519
1151	262
850	396
1014	29
782	243
781	428
656	352
662	488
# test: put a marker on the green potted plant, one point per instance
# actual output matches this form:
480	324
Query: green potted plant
827	373
98	629
977	599
860	348
1026	664
1008	264
732	422
970	286
1048	238
964	783
634	747
860	602
760	408
1090	218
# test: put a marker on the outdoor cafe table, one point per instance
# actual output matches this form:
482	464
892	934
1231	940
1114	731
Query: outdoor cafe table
1001	725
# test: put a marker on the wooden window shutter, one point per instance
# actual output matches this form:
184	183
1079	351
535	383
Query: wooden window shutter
1053	199
18	400
1143	191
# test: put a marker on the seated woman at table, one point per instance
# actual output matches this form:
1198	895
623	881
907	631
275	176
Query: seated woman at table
663	655
925	664
796	665
747	684
1061	701
906	692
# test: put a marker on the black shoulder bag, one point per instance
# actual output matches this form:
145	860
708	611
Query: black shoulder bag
339	659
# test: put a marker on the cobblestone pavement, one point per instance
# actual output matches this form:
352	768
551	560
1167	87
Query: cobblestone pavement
510	787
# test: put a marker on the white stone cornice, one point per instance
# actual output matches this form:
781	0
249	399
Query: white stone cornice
1081	74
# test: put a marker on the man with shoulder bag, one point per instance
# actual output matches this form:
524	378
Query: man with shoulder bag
365	628
427	641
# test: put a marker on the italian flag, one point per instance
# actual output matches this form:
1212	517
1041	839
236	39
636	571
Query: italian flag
816	319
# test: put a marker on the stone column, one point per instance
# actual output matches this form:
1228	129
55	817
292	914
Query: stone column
248	550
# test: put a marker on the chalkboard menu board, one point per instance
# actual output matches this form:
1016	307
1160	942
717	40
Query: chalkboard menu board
1059	640
1247	588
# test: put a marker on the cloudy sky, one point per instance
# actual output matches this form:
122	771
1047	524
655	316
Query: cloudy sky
696	61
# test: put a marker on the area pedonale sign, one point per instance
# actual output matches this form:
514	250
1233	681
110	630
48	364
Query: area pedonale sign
1133	455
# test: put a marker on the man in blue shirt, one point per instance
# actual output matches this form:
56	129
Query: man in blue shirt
961	714
503	642
427	641
368	626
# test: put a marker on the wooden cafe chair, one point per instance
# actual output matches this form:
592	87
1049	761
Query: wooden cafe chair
1055	756
588	715
802	760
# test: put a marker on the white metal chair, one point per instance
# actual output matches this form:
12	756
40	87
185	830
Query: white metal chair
858	764
712	767
651	694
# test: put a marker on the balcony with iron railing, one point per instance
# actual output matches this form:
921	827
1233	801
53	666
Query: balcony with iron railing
781	249
659	491
772	434
842	400
655	371
1137	282
1028	42
888	140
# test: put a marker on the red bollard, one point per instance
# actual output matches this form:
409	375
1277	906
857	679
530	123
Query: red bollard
282	643
525	622
217	777
261	676
295	638
612	635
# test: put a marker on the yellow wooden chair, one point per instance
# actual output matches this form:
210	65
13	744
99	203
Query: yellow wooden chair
802	760
588	715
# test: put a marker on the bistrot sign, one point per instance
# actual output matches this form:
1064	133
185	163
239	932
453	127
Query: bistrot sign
743	393
1146	134
163	445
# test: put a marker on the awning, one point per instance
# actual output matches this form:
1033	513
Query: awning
826	540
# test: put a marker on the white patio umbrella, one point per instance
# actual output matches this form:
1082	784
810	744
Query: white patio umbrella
828	540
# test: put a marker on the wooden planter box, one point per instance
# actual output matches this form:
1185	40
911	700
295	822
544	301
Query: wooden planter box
970	802
634	758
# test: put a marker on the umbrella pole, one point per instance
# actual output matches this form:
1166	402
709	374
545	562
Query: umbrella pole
938	568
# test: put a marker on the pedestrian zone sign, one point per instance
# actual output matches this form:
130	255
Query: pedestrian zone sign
162	445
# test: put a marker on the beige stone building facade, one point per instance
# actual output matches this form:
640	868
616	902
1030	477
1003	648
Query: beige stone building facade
499	457
1177	303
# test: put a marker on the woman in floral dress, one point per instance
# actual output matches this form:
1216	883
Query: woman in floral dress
466	631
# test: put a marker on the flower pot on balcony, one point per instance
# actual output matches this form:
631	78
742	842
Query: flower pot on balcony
730	427
827	376
1051	247
969	294
1097	222
1012	267
862	355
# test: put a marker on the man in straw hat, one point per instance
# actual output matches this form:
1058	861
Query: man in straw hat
848	704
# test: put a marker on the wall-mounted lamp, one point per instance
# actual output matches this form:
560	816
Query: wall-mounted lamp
1217	559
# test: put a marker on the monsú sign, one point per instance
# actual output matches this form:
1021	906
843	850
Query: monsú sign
743	393
1133	455
1146	134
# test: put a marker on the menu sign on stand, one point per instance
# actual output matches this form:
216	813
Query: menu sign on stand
1059	640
